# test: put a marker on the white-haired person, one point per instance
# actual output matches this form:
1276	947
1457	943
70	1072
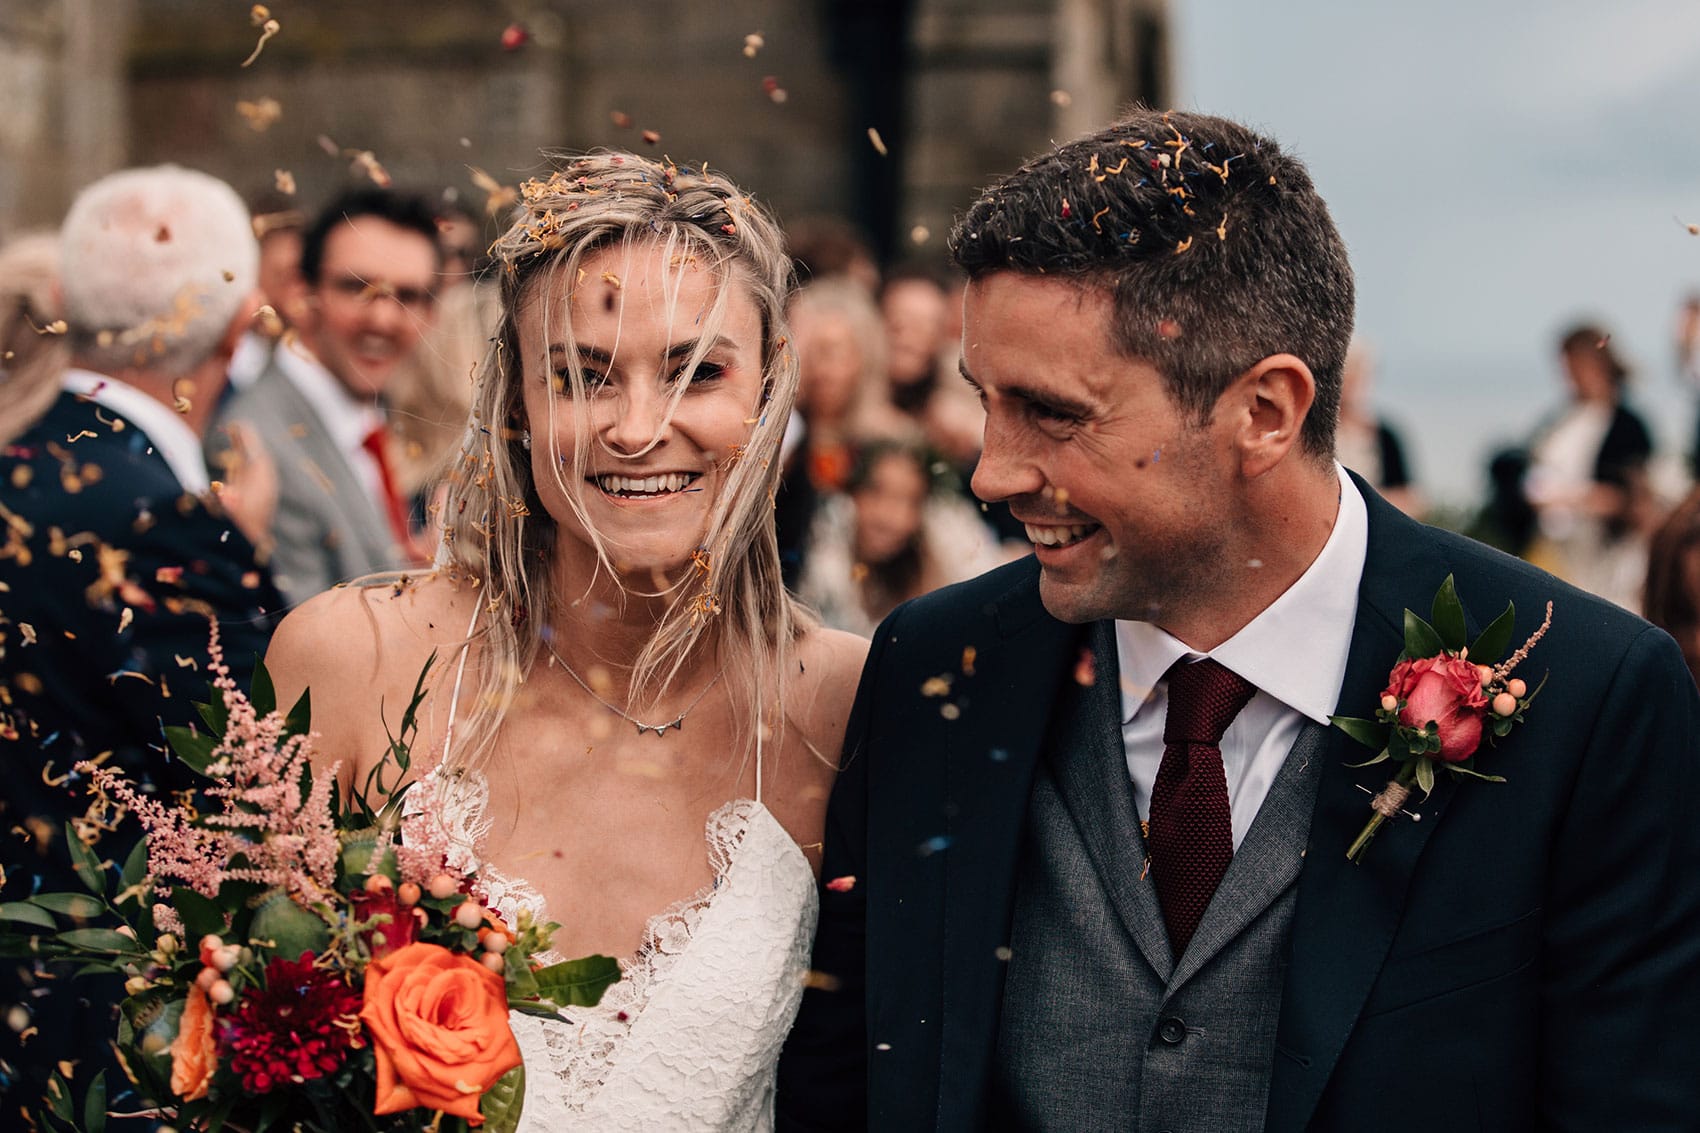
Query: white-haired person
621	669
114	555
30	360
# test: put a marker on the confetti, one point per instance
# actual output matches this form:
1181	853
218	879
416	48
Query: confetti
261	18
57	326
1693	229
753	43
28	631
260	114
950	711
1061	98
934	845
936	686
968	655
776	93
125	618
514	37
365	162
328	145
821	981
497	196
920	234
620	118
284	180
1086	670
842	884
879	142
653	137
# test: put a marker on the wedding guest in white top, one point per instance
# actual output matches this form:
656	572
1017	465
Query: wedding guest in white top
364	298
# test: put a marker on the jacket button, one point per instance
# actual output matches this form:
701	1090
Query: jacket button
1171	1030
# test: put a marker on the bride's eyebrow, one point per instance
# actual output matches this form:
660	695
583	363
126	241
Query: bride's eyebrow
688	347
586	354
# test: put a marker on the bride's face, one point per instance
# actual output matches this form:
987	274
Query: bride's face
655	458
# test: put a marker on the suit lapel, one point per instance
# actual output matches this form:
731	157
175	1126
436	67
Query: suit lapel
1089	762
1347	914
989	776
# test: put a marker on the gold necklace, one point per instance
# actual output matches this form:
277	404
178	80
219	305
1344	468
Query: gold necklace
677	723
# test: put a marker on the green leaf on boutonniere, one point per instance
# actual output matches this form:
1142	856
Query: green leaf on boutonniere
1421	640
1367	732
1448	616
1490	644
1382	758
1425	776
1460	769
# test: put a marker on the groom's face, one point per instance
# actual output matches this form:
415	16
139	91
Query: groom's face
1124	495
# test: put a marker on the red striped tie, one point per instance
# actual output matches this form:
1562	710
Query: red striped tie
1191	837
375	443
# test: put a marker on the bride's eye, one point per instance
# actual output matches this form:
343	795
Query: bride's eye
593	380
705	373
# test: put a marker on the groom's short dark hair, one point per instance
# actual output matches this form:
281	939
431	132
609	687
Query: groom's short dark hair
1213	243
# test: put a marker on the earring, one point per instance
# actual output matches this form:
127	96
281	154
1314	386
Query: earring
525	439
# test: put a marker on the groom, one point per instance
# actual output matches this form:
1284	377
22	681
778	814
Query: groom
1085	866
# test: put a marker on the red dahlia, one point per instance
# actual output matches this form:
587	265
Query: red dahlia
298	1024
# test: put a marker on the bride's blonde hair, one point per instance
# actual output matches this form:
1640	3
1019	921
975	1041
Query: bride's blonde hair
495	529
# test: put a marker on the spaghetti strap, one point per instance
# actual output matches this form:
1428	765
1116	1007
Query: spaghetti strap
460	672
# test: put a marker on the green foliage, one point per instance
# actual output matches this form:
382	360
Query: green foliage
1367	732
577	983
1421	639
1447	615
1490	645
500	1106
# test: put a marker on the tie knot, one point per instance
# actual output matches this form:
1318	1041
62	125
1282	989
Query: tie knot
1204	698
374	441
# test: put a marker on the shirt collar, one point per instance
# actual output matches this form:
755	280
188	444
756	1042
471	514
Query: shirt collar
346	420
169	435
1318	610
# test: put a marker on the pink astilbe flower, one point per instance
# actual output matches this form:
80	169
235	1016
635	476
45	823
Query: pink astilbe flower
268	830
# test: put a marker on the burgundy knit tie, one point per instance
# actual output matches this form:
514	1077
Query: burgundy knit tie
1191	838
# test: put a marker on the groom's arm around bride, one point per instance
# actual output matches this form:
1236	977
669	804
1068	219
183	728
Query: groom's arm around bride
1086	863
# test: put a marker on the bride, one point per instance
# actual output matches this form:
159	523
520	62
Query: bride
634	726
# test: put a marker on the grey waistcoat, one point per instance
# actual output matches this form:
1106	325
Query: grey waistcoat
1101	1028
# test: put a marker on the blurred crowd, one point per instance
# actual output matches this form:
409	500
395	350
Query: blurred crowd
342	401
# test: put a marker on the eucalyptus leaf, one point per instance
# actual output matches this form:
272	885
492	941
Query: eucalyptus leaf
578	983
94	1105
1489	646
1370	733
22	912
1421	640
1425	776
500	1106
86	862
99	940
193	748
1448	616
76	905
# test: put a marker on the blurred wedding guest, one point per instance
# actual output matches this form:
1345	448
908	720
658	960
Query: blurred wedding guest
1587	475
31	357
826	247
1688	362
364	299
115	557
1673	578
278	227
892	535
923	378
430	394
1365	442
839	338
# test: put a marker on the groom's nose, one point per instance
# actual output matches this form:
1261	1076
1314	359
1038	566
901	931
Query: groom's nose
1005	469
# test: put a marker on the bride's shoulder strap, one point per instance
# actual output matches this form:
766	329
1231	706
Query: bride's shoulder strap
460	673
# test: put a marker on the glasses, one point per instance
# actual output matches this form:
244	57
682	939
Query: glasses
353	289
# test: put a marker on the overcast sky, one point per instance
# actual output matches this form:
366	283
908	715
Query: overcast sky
1498	169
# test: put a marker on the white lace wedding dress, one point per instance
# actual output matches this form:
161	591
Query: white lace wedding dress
689	1038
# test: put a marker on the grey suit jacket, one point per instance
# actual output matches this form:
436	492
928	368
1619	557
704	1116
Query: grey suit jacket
328	527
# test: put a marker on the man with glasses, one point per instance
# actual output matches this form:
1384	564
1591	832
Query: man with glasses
363	301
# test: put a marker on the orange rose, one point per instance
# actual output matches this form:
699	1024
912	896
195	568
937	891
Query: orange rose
193	1051
439	1025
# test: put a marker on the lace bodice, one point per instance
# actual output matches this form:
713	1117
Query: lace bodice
689	1038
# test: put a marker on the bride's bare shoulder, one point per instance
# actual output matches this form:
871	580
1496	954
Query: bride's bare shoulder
360	644
829	665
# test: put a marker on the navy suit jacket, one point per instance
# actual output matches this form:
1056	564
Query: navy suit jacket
1526	956
110	572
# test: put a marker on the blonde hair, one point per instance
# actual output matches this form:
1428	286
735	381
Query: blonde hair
495	528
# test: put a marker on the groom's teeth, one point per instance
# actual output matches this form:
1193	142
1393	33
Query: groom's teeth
645	485
1057	536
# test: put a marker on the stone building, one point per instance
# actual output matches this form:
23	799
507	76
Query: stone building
955	90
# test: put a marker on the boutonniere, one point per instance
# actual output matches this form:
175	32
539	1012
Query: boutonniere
1443	698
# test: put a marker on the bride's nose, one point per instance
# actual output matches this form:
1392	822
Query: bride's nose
639	419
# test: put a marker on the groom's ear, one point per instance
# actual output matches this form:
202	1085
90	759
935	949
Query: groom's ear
1269	404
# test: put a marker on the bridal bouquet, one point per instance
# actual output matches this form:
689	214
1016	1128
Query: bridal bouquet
292	962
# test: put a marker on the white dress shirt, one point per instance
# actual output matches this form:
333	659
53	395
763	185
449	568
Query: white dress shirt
170	437
347	421
1294	652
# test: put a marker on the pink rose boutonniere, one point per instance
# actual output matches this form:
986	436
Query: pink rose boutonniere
1443	697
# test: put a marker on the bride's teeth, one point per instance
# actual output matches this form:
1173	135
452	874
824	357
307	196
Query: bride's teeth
1051	536
648	485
